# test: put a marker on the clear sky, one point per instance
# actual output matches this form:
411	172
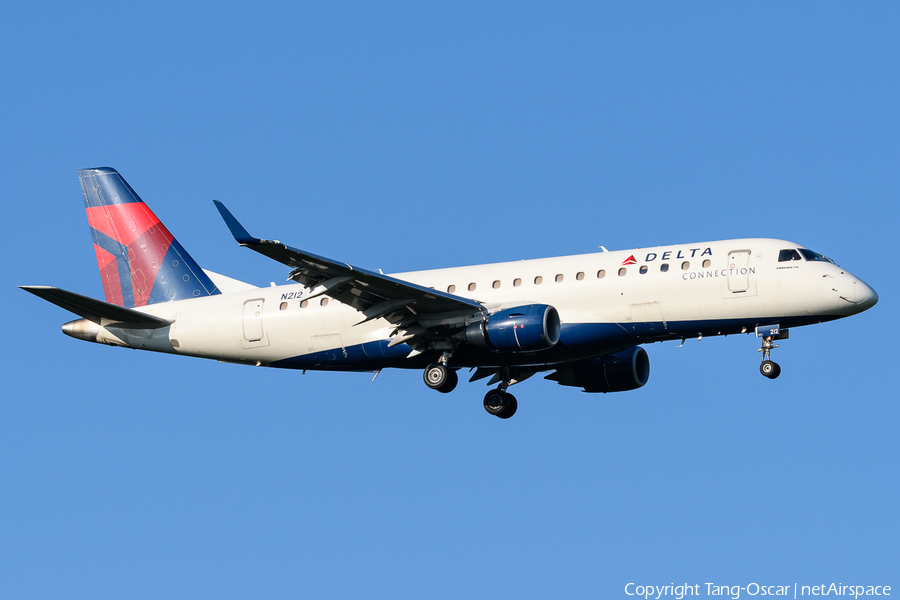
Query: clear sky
415	135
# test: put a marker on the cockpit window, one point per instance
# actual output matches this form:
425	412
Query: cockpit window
810	255
789	254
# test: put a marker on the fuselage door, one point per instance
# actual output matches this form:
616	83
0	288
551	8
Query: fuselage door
253	326
739	270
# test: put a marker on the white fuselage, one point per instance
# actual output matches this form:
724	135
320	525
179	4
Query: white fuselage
605	301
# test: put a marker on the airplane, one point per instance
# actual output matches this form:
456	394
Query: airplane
580	320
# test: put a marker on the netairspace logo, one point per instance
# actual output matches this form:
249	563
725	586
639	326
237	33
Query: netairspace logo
678	592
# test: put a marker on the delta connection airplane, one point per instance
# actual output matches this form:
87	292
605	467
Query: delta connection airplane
579	319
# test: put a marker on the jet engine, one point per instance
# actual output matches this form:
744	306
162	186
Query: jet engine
619	372
520	329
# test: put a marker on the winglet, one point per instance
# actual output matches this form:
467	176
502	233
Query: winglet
240	234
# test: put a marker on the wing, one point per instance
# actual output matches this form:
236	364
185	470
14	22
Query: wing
419	313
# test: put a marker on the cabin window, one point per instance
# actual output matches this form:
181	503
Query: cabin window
559	278
664	267
601	274
324	302
517	282
788	255
685	265
644	269
622	271
451	289
496	284
706	263
304	304
580	275
471	287
283	306
538	280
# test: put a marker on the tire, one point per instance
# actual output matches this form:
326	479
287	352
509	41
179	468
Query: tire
450	383
435	376
770	369
512	407
495	402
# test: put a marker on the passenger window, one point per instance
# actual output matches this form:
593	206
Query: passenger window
471	287
706	263
496	284
601	274
517	282
788	255
538	280
451	289
559	278
622	271
304	304
324	302
685	265
580	275
664	267
283	306
643	269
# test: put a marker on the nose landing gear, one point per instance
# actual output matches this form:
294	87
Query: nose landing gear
768	367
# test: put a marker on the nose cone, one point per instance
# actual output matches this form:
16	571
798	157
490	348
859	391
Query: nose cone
866	297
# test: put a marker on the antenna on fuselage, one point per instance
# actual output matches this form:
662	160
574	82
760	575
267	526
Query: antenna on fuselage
604	248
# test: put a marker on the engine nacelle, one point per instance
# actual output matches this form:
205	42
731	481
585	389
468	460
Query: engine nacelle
520	329
619	372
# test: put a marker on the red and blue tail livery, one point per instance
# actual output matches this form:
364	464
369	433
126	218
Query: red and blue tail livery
140	262
580	321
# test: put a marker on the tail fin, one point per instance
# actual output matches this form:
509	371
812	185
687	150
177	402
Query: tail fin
140	262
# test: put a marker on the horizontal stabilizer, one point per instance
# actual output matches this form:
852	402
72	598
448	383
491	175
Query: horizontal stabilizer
102	313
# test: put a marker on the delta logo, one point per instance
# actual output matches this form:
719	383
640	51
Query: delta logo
630	260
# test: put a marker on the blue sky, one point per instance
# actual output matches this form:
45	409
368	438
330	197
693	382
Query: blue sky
406	136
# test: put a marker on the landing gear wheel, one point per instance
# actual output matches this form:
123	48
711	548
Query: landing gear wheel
511	407
450	383
500	404
495	402
436	376
770	369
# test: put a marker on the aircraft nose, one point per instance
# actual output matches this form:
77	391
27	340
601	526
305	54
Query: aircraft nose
866	297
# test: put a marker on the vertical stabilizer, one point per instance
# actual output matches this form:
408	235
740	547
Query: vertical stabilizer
140	262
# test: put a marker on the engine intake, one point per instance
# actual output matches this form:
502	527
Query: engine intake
520	329
619	372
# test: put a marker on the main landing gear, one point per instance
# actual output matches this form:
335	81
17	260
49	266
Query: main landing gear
440	377
500	403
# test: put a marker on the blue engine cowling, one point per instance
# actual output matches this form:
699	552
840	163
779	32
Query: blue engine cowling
520	329
619	372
